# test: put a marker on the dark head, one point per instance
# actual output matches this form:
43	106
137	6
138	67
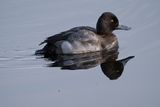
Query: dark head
108	22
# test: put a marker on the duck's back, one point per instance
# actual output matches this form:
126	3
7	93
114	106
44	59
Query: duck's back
76	40
66	34
80	41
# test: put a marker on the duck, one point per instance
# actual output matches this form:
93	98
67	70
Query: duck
84	39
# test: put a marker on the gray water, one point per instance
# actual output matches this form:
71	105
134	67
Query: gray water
25	81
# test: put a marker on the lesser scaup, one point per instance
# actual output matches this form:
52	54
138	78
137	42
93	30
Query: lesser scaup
84	39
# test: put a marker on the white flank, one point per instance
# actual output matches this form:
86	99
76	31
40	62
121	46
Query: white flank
66	47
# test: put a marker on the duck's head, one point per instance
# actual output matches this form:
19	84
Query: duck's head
108	22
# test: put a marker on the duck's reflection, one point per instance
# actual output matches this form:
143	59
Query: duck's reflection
114	69
108	62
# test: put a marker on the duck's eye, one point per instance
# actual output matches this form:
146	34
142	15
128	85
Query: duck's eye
112	21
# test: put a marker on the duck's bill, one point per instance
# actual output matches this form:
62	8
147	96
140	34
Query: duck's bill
123	27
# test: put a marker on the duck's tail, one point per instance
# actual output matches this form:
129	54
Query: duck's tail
39	52
43	42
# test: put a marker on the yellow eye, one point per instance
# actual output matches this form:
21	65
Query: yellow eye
112	20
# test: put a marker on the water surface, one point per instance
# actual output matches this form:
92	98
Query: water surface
26	81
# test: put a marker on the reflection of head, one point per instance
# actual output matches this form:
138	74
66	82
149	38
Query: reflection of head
113	69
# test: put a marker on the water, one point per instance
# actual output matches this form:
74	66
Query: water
25	81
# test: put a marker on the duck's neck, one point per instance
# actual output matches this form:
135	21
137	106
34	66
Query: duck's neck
104	33
102	29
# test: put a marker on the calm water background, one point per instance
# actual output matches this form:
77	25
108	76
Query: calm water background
25	81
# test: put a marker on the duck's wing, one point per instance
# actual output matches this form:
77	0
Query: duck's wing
53	42
76	33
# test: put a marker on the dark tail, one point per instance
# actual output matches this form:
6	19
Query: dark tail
39	52
42	42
